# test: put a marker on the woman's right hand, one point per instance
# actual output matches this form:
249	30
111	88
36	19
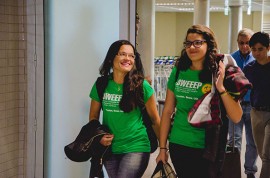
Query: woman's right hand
106	140
162	156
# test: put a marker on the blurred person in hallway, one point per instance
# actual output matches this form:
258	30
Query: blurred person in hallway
242	57
258	73
189	80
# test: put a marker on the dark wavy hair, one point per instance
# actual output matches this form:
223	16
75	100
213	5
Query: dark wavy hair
210	63
133	81
260	37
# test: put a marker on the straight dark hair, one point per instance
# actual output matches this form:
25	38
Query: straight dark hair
260	37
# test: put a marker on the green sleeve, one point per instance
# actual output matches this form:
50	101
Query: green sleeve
171	81
94	94
148	91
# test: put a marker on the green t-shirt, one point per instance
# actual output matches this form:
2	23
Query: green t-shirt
187	90
129	132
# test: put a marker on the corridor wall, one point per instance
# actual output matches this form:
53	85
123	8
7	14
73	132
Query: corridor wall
171	29
78	35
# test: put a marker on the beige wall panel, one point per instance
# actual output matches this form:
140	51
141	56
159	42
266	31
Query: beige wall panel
171	29
219	23
183	22
266	17
165	34
257	22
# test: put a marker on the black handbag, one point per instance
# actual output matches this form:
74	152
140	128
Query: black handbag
232	163
163	171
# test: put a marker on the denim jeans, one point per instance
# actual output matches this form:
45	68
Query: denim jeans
127	165
251	151
261	130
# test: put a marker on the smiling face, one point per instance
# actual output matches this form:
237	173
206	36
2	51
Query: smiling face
124	60
196	54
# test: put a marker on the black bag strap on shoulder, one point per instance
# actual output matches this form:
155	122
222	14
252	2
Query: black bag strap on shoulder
177	74
101	85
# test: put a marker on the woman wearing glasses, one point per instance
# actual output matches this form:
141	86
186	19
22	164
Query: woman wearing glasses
123	97
189	80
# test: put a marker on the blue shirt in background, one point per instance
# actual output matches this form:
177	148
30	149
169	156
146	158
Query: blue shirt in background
242	62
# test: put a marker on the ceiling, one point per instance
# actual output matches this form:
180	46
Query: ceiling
215	5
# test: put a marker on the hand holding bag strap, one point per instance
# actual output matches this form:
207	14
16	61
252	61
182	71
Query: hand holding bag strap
163	171
158	170
169	172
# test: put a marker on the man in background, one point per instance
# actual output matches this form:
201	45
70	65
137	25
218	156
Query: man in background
242	57
258	73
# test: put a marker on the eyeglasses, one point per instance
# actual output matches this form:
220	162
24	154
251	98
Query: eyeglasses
196	43
123	54
243	43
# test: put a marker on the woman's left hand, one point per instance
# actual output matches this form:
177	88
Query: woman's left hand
233	108
106	140
220	77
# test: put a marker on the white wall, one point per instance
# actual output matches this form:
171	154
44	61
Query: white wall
78	35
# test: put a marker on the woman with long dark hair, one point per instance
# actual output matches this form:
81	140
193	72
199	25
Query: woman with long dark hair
126	92
190	79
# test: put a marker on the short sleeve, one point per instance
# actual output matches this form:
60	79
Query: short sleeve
148	91
171	80
94	94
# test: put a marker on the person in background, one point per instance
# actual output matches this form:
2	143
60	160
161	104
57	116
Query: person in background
258	73
189	80
242	57
126	91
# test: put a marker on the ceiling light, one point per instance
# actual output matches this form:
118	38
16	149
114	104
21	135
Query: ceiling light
174	4
249	7
226	7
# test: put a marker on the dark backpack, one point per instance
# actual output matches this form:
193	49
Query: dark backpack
102	83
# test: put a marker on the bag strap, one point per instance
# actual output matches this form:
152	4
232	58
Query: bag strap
213	88
233	135
101	84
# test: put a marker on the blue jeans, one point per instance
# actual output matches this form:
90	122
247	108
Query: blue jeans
127	165
251	151
261	130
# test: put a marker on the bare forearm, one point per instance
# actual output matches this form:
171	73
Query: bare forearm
156	127
94	110
165	127
233	108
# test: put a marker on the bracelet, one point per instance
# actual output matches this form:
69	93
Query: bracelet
223	93
163	148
